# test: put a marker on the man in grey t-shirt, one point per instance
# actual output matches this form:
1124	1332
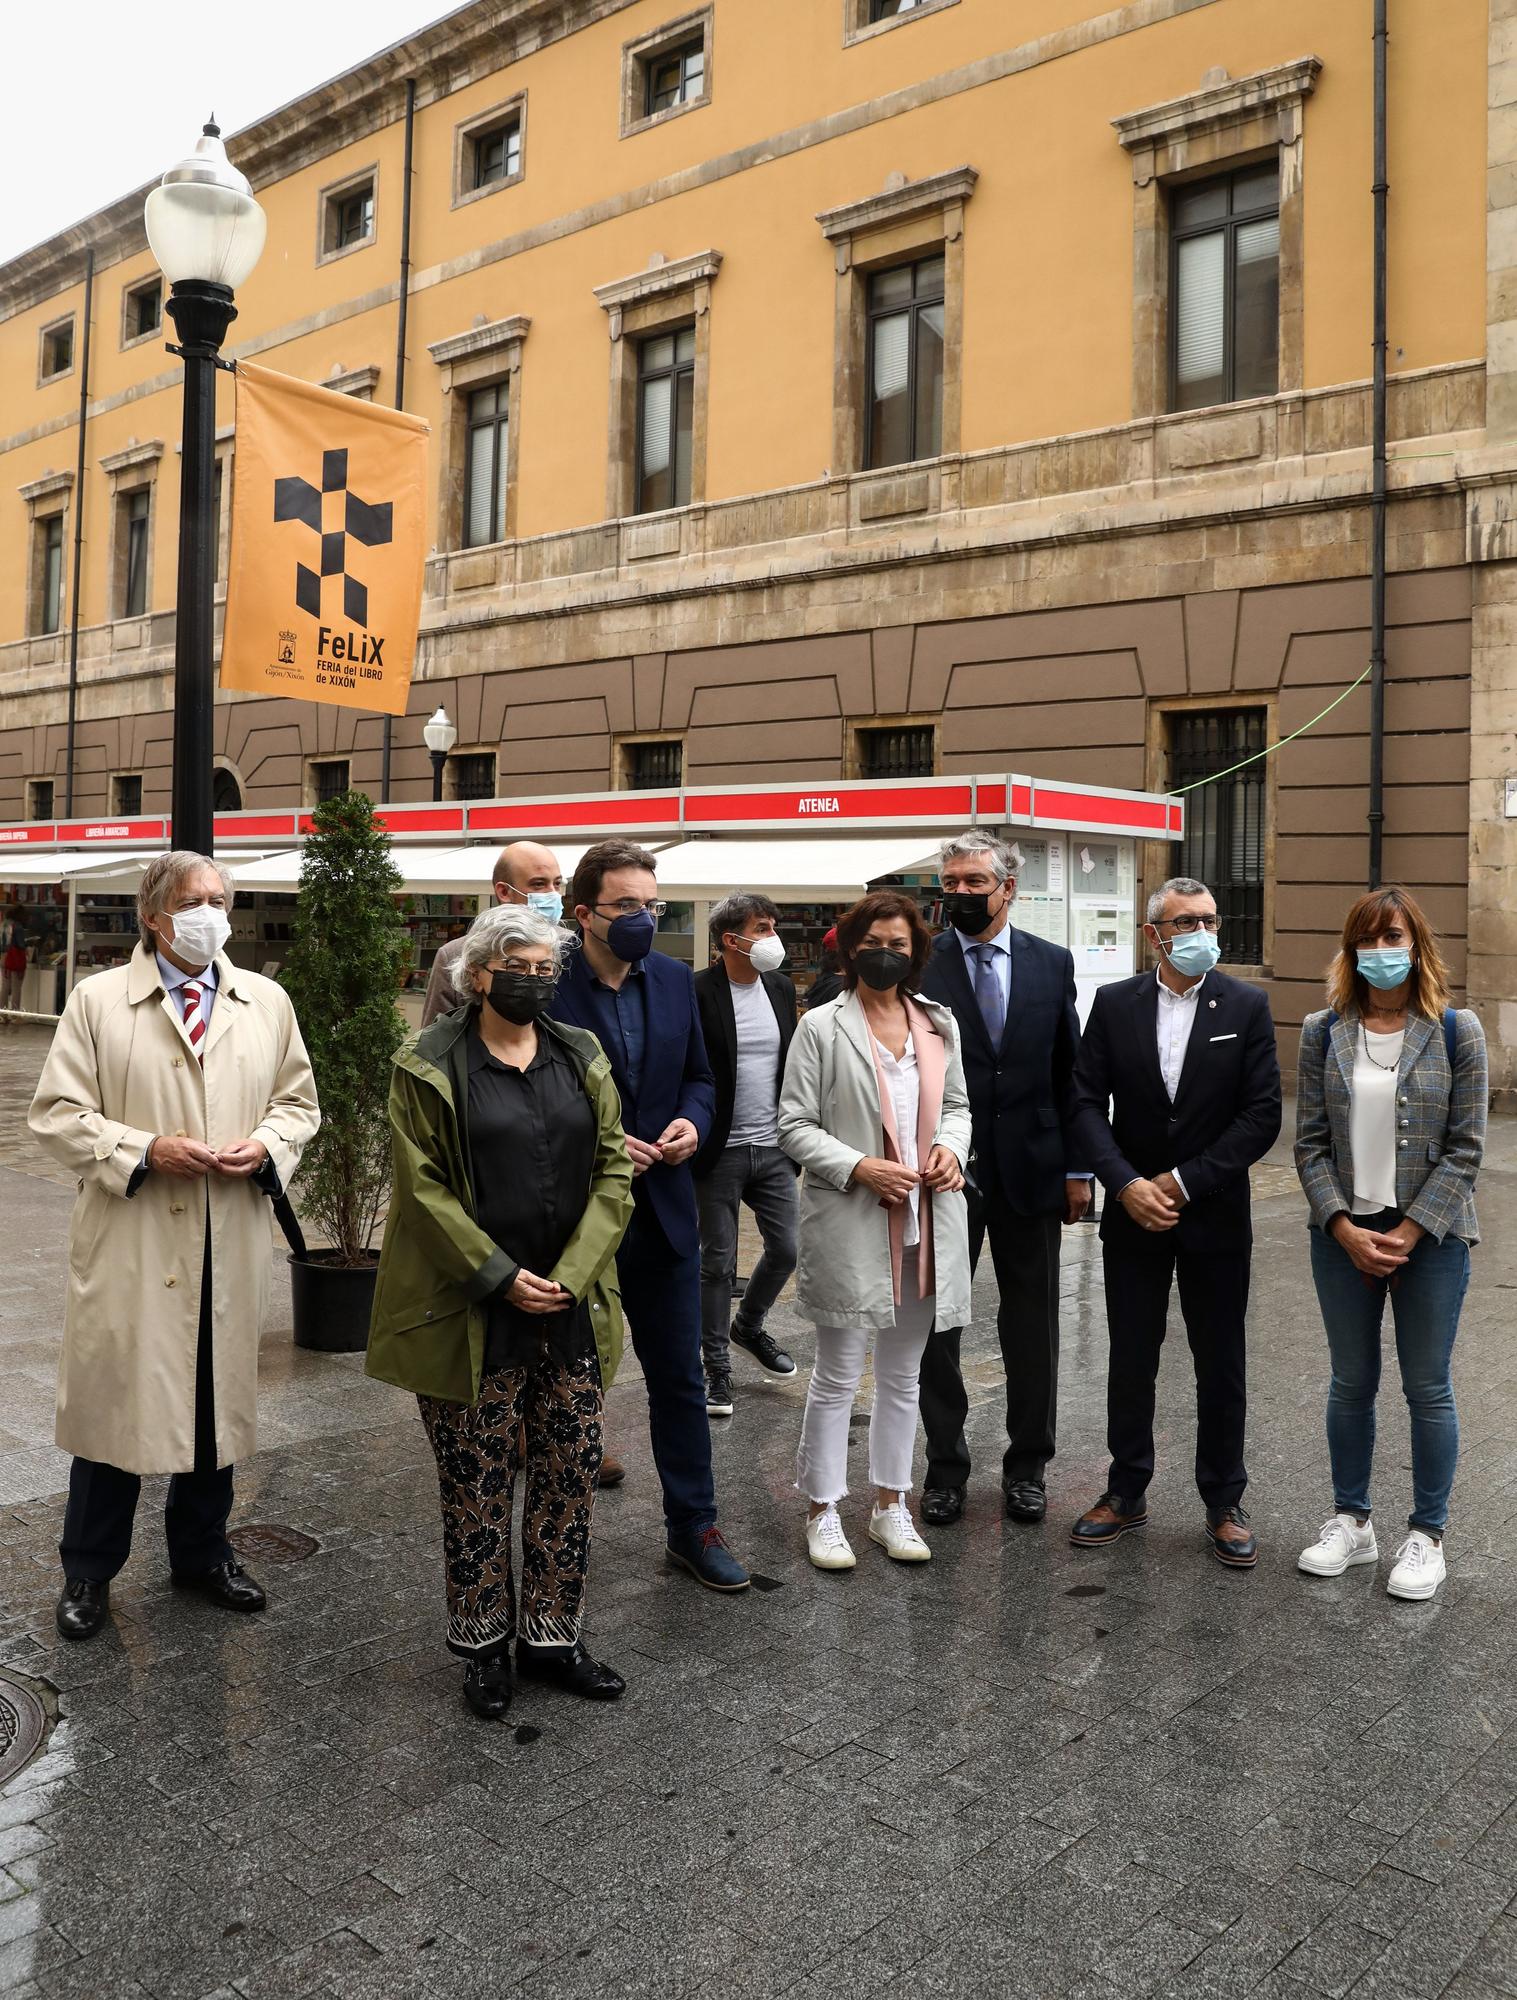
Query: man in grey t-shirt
747	1017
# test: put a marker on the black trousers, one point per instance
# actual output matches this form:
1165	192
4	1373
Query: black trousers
102	1499
1025	1252
1214	1302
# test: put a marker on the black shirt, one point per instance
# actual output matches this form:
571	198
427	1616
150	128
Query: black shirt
532	1153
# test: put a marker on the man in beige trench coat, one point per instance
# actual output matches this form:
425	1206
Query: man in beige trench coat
179	1092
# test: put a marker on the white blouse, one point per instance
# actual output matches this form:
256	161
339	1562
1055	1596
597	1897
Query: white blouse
905	1092
1372	1120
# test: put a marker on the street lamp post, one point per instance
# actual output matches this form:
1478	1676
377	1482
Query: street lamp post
207	232
439	735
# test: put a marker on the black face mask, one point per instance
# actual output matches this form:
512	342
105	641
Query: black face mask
967	910
520	997
882	969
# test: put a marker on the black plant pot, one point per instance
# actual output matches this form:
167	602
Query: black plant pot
332	1301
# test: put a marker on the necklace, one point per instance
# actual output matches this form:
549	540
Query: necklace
1364	1037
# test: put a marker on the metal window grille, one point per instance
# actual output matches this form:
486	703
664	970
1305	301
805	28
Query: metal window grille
331	779
654	767
42	798
129	796
897	753
1224	822
474	775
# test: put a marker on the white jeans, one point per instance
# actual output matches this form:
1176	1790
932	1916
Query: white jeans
821	1465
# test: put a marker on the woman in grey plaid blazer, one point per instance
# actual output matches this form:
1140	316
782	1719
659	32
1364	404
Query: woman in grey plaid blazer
1390	1130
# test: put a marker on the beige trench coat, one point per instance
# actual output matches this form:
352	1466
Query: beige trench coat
120	1072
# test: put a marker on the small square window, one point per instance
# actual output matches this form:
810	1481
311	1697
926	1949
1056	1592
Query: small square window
497	153
126	795
907	752
473	775
667	71
57	349
39	798
654	767
676	76
347	216
329	778
142	310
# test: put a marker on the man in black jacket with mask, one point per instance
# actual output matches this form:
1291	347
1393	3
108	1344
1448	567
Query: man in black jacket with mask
1013	996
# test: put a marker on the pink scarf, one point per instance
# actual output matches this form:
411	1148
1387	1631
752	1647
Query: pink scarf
932	1067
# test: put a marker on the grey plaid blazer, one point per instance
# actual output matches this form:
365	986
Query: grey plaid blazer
1441	1115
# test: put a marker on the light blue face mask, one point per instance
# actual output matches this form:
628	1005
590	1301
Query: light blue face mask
547	903
1385	967
1194	953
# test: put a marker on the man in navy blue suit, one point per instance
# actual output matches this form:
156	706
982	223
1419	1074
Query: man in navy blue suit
1013	996
641	1006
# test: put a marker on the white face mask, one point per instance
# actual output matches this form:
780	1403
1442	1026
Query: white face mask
767	954
199	934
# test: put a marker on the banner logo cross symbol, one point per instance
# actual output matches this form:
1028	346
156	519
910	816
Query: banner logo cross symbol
372	526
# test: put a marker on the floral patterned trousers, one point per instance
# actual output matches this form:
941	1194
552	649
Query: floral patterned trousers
555	1414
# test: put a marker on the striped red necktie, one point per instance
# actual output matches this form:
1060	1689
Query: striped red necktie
194	1025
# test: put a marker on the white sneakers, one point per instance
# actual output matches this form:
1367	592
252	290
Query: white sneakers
1341	1545
1419	1567
826	1544
895	1531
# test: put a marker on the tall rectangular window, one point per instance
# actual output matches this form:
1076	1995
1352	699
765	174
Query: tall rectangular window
906	752
355	217
126	795
1224	820
136	510
665	419
143	310
485	465
39	800
57	349
50	599
1224	293
216	520
905	363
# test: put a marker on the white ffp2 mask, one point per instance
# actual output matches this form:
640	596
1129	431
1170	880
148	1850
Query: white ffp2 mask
767	954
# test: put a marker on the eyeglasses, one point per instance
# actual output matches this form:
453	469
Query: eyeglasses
629	907
1189	924
521	967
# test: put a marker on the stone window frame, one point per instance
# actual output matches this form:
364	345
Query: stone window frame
644	49
44	498
472	129
130	471
906	221
130	292
857	725
45	375
1227	123
482	358
665	296
327	200
623	744
857	26
359	383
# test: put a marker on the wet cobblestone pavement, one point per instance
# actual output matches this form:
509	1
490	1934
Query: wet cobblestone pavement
1019	1770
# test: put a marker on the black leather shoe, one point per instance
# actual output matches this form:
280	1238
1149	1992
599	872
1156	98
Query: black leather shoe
82	1608
228	1585
1111	1517
570	1668
487	1684
1025	1499
1231	1537
942	1505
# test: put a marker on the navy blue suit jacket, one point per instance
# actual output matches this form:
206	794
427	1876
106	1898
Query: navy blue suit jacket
1226	1113
1020	1093
676	1081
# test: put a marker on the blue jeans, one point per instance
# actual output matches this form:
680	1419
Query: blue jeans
1426	1295
763	1177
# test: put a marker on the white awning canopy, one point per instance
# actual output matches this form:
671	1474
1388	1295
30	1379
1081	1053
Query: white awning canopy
425	871
789	871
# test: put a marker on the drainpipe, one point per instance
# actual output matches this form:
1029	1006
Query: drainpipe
400	357
1377	485
73	621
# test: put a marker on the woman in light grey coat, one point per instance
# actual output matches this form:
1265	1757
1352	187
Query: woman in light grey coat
875	1111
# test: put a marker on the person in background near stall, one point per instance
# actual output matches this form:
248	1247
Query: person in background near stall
640	1004
1013	996
512	1189
1177	1095
875	1111
12	959
527	875
178	1090
1390	1134
747	1020
828	983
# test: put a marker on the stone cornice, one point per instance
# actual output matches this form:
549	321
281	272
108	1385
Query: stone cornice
1224	103
134	455
658	281
899	204
45	487
352	381
494	338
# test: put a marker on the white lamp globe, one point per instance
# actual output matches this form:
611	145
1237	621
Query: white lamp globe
202	221
441	733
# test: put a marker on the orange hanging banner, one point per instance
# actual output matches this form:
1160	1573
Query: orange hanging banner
327	545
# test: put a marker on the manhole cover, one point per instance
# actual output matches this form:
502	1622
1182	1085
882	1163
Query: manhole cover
23	1726
265	1541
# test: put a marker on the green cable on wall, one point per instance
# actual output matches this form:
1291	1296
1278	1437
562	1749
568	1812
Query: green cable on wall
1270	748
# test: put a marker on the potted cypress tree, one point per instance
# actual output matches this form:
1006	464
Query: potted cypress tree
347	962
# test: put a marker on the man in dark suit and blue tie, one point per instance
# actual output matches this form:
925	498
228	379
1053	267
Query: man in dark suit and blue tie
641	1006
1177	1094
1013	996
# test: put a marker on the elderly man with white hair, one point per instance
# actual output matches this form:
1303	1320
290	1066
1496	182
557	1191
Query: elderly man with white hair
178	1091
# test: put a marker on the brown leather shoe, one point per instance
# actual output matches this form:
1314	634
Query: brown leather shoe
612	1471
1231	1537
1111	1517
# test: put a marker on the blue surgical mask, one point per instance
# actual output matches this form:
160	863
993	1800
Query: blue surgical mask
1385	968
1194	953
631	938
547	903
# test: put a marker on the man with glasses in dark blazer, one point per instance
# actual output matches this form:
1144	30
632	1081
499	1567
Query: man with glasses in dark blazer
1013	996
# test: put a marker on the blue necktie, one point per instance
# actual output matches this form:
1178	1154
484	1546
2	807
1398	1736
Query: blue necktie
987	991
